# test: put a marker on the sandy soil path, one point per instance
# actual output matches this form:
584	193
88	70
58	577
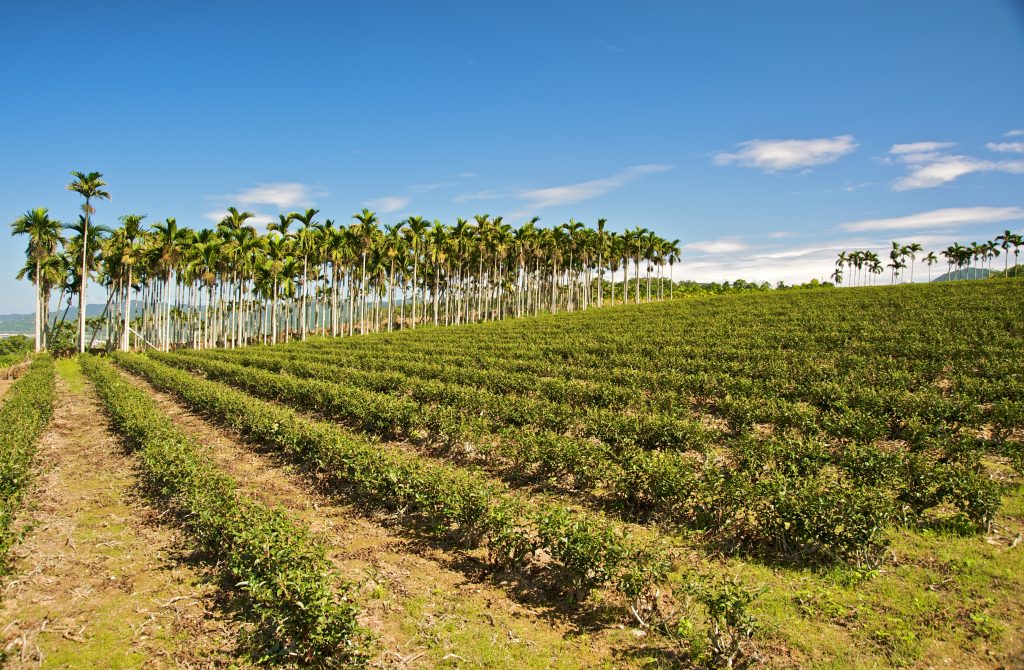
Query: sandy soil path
99	580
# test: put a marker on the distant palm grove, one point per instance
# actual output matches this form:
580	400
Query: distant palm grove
229	286
864	265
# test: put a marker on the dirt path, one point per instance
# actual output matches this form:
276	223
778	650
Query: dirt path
5	384
99	581
425	612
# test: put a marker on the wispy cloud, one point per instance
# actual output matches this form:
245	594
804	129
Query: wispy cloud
940	170
780	155
466	174
572	193
481	195
1013	133
427	188
919	147
939	218
1004	147
610	48
389	203
721	246
929	166
283	195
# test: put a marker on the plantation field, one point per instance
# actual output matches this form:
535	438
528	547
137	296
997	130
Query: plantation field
792	479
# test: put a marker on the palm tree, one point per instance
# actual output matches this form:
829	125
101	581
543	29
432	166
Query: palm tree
911	251
169	241
841	260
931	259
127	237
231	226
415	228
89	237
1005	240
896	255
44	236
365	230
306	238
89	186
674	252
1017	241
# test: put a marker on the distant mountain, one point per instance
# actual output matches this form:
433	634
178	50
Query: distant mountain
25	324
965	273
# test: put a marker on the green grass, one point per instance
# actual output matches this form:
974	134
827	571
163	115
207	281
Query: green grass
71	372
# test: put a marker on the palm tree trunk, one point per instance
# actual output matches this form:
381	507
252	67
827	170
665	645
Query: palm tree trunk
84	282
39	307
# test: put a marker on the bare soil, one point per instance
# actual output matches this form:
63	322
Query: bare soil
99	580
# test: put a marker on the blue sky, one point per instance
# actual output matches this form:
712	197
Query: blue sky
766	136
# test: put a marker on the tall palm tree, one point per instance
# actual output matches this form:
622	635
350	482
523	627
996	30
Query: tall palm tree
931	259
44	236
911	250
230	226
365	230
169	240
306	238
415	228
128	236
89	186
1005	240
90	238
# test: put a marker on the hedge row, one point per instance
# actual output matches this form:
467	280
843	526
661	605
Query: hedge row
276	565
25	413
588	550
786	496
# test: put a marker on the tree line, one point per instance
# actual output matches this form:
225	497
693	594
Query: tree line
168	285
862	266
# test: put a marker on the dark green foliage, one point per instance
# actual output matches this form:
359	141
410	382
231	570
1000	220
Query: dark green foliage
589	548
14	350
757	418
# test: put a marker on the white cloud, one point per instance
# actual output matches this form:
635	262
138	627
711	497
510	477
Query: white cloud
1013	133
1003	147
777	155
572	193
466	174
920	147
929	167
931	171
722	246
283	195
391	203
939	218
779	234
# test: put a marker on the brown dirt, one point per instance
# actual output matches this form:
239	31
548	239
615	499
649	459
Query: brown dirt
98	581
5	384
426	611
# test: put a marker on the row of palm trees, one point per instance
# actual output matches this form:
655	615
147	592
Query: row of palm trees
169	285
862	266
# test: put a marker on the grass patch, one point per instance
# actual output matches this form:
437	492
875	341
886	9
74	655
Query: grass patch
71	372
